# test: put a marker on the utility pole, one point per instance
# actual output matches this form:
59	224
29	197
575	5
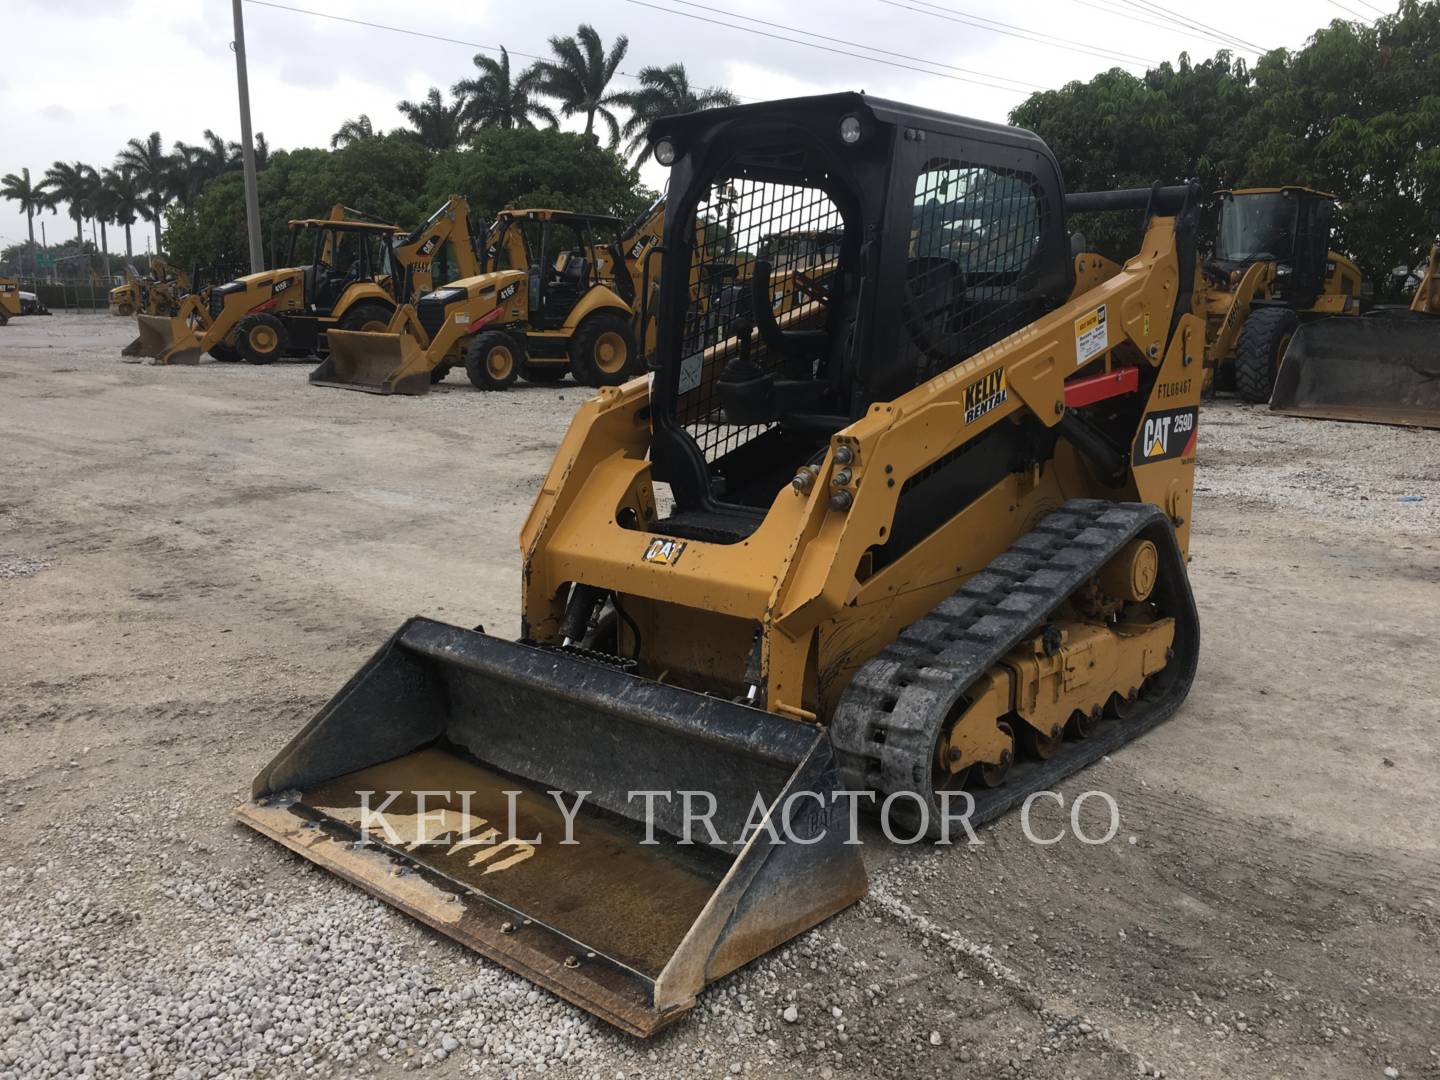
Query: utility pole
247	144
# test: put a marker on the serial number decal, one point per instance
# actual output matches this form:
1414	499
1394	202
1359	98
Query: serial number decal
984	395
1178	388
1092	335
1167	434
664	551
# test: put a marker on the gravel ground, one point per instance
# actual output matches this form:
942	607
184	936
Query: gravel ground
193	560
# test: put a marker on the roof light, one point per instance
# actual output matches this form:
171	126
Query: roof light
665	152
850	130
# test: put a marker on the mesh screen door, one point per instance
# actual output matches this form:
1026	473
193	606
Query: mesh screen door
795	228
974	231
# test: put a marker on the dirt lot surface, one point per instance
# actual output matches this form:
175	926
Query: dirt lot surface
193	560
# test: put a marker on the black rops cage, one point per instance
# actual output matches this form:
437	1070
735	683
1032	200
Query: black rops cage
840	250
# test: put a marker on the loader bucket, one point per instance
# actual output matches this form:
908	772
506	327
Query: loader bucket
375	363
1379	370
165	340
473	739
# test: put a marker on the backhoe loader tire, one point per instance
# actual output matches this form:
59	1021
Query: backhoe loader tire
372	318
437	374
1259	350
547	374
603	353
260	338
226	354
492	360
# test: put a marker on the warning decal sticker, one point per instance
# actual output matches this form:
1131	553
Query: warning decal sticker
1092	335
1165	435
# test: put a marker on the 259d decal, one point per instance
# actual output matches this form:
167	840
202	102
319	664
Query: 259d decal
1167	434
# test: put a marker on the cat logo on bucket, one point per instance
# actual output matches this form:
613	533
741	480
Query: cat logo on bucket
664	551
1165	435
985	394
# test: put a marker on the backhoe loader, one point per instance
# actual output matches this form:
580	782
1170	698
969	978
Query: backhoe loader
559	292
158	292
353	275
916	543
1382	369
1271	271
9	300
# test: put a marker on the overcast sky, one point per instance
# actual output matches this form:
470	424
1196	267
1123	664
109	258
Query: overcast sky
79	77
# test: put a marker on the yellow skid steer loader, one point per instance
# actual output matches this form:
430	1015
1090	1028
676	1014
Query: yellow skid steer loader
921	551
9	300
1382	369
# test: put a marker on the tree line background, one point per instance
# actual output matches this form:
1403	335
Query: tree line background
1356	111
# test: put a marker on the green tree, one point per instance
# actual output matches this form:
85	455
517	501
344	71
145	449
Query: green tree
538	167
433	123
579	77
70	183
664	92
124	200
495	98
32	197
146	160
352	131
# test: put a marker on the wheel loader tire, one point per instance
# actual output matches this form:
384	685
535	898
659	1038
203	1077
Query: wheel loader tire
603	353
492	360
370	318
1259	350
437	374
545	374
226	354
260	339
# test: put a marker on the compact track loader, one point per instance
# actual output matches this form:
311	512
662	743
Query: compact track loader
1272	271
919	537
1382	369
559	292
356	269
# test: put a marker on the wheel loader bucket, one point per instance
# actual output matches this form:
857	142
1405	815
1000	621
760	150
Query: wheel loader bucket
164	340
1377	370
375	363
441	776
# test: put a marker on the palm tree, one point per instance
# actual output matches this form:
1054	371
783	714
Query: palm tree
580	75
70	183
262	153
665	92
124	199
496	99
187	173
352	131
214	156
146	161
31	197
434	123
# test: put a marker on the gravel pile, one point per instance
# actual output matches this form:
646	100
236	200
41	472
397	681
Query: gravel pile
1371	474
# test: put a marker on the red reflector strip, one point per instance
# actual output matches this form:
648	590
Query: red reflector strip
1087	391
484	320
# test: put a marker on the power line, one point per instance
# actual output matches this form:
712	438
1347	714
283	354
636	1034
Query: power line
1009	30
1351	12
986	81
851	44
1132	16
1372	7
1166	13
428	36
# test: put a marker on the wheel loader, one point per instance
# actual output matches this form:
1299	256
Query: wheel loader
343	273
1381	369
915	544
560	292
1272	269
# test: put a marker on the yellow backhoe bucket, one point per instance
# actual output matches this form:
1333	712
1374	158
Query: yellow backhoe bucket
164	340
378	363
1382	369
441	776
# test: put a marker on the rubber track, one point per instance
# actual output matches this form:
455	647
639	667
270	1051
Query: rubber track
888	720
